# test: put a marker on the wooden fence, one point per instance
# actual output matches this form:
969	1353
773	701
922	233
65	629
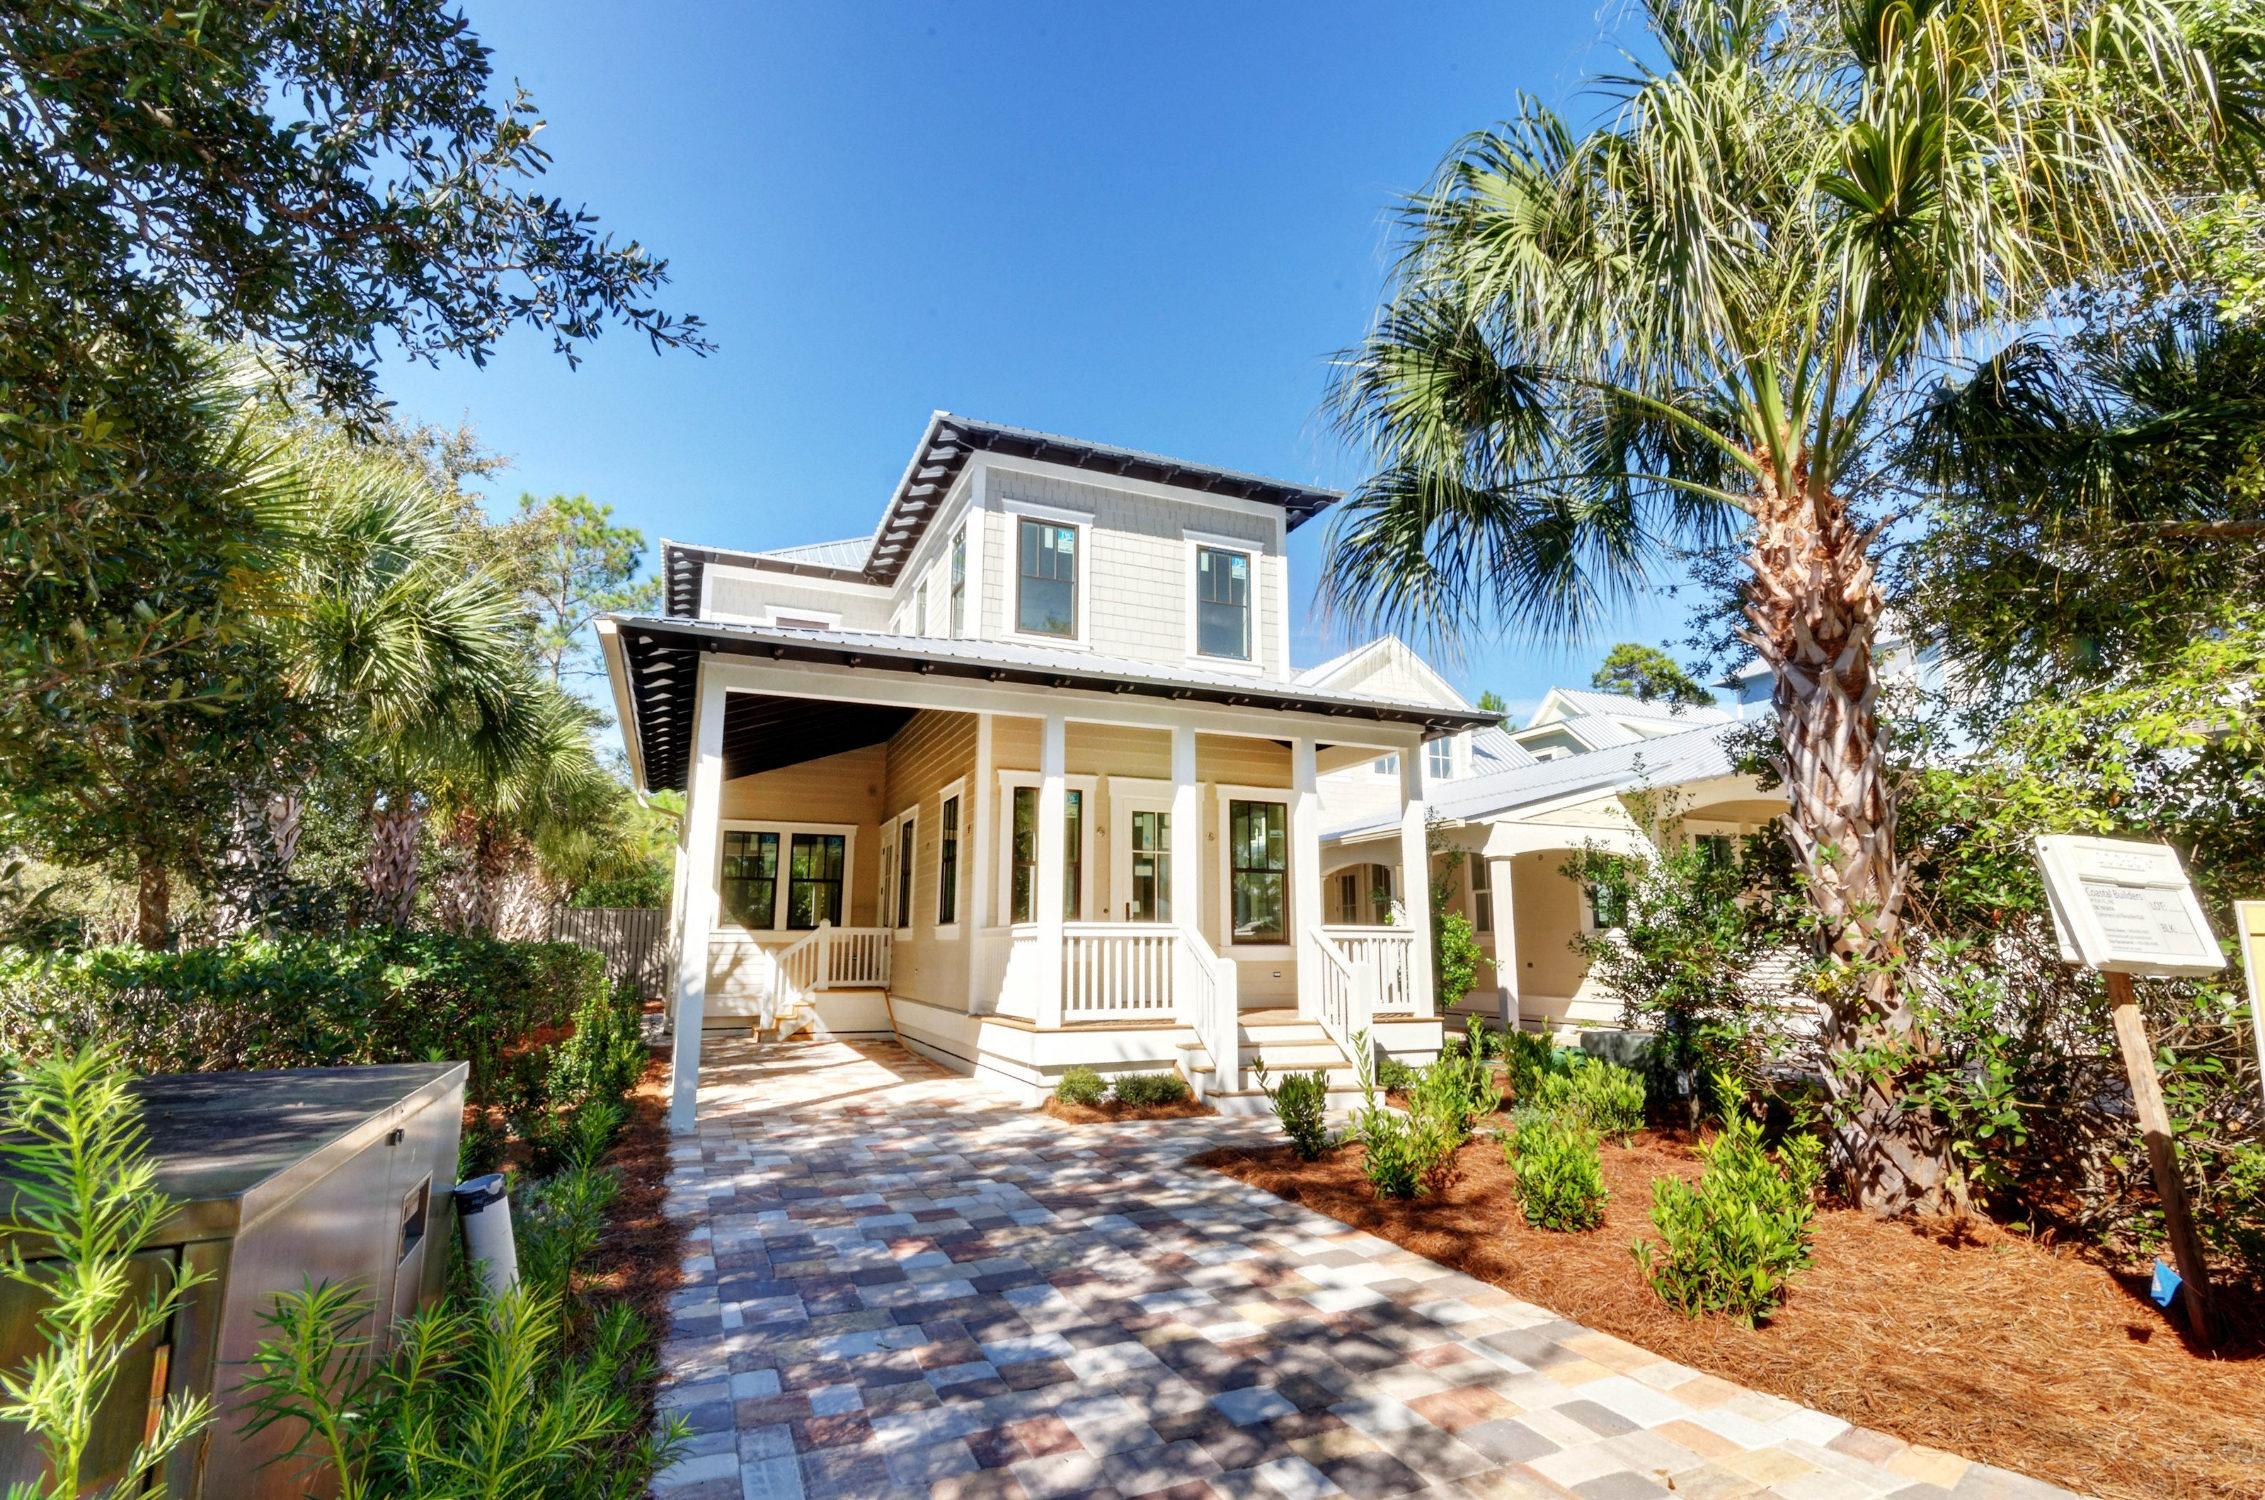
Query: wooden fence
634	940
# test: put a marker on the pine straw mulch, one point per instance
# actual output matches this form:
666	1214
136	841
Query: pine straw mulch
639	1259
1116	1111
1960	1336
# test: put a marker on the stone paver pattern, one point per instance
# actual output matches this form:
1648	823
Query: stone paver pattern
897	1283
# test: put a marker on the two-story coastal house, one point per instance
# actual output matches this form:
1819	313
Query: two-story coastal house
1024	776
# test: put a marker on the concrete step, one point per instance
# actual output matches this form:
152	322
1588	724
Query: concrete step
1296	1057
1300	1033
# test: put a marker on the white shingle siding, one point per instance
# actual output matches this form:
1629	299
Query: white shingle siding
751	595
1138	571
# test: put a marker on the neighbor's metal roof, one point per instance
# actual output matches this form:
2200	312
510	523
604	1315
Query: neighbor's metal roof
1693	755
661	657
1587	702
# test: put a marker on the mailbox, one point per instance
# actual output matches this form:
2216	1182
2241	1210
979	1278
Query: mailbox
336	1175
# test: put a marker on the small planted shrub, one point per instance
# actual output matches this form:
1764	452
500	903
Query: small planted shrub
1143	1089
1609	1099
1559	1176
1080	1086
1532	1057
1402	1154
1394	1076
1300	1100
1730	1243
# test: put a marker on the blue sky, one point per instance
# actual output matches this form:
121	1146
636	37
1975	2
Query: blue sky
1147	225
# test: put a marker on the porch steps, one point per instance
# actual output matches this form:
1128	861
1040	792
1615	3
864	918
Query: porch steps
1286	1044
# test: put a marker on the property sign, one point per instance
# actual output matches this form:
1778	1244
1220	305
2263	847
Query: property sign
2249	931
2123	907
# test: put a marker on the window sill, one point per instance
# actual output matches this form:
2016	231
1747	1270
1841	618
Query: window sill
1240	665
1058	642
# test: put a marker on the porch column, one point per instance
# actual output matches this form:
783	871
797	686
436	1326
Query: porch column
1186	893
1505	919
1047	906
1305	866
696	913
1415	873
975	897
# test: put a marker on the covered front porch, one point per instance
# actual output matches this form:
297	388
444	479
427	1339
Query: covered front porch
1014	879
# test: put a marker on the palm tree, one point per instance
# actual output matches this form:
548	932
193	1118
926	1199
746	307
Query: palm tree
545	787
1688	327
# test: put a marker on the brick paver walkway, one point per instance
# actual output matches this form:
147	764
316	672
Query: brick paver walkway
898	1284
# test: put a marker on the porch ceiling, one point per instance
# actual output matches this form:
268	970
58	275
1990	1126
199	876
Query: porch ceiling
763	734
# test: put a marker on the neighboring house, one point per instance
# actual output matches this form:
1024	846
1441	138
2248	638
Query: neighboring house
1517	806
1024	776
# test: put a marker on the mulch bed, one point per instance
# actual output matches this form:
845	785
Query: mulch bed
1113	1111
639	1259
1960	1336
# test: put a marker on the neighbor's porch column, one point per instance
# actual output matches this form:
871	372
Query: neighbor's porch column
1186	893
1415	874
1047	906
1505	919
696	914
1305	867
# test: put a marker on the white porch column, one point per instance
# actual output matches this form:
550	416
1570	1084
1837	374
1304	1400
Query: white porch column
1415	874
1047	906
1505	919
1305	866
696	914
976	833
1186	893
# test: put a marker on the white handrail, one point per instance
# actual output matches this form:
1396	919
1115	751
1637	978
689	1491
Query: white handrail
1208	1003
826	958
1344	993
1393	951
1118	971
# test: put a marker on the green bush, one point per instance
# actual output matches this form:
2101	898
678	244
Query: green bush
1456	956
1080	1086
1301	1104
373	996
1394	1076
1532	1057
605	1056
1559	1176
1607	1098
1730	1243
1402	1154
1141	1089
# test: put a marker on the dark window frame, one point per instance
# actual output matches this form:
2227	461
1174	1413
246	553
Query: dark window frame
755	840
837	881
1033	556
908	848
1238	845
947	862
1247	606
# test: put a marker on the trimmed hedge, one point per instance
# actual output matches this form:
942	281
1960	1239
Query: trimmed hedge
373	996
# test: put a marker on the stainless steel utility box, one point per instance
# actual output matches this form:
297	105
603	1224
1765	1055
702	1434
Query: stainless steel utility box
336	1175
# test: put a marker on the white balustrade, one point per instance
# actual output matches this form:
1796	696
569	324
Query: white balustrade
1392	950
1118	971
1209	1005
825	958
1344	992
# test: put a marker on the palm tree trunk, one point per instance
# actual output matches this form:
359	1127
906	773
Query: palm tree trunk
392	873
1814	612
153	901
286	812
491	861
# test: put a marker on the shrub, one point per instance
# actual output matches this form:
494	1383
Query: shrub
84	1199
1607	1098
1401	1155
1559	1176
1730	1243
1394	1076
1080	1086
1532	1057
1142	1089
1301	1102
605	1056
373	996
1456	956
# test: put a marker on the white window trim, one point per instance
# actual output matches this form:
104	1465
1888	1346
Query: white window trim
1255	552
956	546
1081	591
1128	795
786	831
827	620
1008	781
950	931
1226	795
905	921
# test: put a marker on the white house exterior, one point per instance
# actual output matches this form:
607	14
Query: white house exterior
1518	805
1024	777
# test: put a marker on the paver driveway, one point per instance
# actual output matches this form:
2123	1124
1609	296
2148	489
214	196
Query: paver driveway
898	1284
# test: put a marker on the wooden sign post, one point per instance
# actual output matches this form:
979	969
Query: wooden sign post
2126	908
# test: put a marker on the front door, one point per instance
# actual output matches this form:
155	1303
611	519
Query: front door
1144	860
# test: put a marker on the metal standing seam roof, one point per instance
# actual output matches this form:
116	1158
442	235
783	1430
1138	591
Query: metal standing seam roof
1595	702
661	658
943	451
1693	755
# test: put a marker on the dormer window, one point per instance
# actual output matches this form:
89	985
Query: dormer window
1439	759
1222	603
1046	590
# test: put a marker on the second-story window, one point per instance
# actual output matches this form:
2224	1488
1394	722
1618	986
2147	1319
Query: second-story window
957	620
904	873
1046	599
1222	603
1439	759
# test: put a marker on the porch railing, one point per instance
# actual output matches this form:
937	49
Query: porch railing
1343	992
826	958
1118	971
1393	951
1209	1005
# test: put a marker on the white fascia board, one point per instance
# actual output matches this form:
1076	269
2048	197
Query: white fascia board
624	706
